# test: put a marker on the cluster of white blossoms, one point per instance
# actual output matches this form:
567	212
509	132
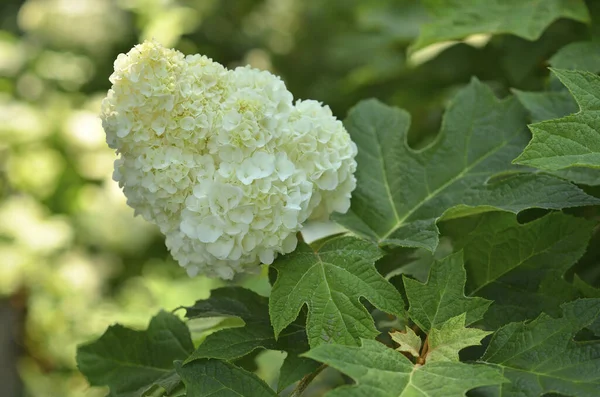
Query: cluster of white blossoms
223	161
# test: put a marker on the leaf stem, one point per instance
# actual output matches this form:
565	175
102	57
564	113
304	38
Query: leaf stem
424	351
304	382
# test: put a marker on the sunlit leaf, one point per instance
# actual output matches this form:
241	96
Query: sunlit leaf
383	372
330	279
401	192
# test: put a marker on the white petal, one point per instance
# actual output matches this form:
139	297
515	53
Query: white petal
267	256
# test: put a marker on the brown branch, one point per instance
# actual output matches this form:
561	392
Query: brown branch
304	382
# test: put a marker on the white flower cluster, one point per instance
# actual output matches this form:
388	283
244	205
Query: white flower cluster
222	160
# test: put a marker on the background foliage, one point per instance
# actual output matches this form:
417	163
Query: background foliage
73	260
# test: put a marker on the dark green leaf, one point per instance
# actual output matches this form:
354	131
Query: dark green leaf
457	19
132	362
234	343
442	297
230	302
541	356
520	267
547	105
581	56
383	372
330	280
293	369
401	192
214	378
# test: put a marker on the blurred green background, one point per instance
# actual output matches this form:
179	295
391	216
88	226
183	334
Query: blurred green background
73	259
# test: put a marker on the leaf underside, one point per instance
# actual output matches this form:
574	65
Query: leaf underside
257	333
457	19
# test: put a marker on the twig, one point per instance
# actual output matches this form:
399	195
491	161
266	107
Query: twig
304	382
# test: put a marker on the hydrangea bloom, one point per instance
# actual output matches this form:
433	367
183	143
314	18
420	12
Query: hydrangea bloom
223	161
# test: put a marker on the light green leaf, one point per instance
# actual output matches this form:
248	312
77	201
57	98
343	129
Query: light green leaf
442	297
330	279
583	55
519	266
383	372
408	341
457	19
132	362
401	192
541	356
451	337
257	333
573	140
207	377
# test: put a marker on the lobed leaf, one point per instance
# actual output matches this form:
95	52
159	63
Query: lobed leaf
257	333
584	55
401	192
570	141
204	378
451	337
442	297
520	266
383	372
457	19
409	341
330	280
132	363
541	356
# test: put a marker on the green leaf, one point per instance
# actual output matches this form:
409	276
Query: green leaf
552	105
573	140
208	377
409	341
293	369
330	280
257	333
401	192
587	290
132	362
442	297
519	266
541	356
578	56
457	19
234	343
451	337
383	372
547	105
230	302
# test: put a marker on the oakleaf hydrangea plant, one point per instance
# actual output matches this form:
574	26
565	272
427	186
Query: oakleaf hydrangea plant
462	268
